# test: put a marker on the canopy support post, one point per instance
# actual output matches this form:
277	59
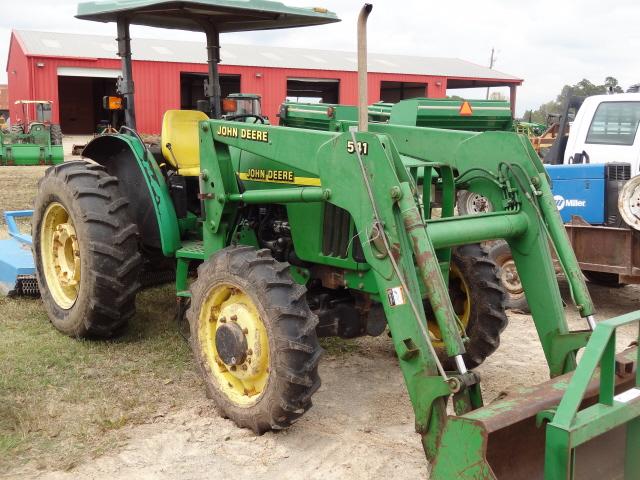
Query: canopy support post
125	82
212	90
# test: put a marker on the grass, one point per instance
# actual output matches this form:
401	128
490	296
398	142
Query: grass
335	346
64	400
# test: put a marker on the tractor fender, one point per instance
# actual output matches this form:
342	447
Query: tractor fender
141	181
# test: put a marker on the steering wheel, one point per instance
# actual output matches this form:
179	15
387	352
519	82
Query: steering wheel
258	118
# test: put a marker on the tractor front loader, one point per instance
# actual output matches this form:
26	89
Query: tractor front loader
299	233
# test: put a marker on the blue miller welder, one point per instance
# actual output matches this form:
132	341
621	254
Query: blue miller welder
589	191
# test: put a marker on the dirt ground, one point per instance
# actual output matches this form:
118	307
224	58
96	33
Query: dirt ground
361	425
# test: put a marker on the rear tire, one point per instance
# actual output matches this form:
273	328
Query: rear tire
56	135
264	377
86	250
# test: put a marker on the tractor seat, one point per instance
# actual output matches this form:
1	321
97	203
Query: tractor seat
181	140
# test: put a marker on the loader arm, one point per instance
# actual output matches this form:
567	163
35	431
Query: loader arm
511	176
366	175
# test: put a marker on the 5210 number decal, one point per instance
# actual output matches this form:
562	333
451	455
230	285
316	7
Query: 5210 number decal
362	147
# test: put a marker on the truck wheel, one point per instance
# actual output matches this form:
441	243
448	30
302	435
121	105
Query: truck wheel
470	203
56	135
509	278
86	250
254	339
605	279
477	298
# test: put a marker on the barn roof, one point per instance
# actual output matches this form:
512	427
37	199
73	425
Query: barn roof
48	44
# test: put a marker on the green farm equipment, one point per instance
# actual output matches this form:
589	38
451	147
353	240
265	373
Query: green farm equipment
37	142
303	232
468	115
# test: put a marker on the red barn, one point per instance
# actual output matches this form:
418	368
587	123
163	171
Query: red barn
76	71
4	101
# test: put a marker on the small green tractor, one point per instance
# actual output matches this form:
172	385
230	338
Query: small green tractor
297	233
37	142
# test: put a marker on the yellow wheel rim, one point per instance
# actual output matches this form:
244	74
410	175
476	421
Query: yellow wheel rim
244	381
461	301
60	254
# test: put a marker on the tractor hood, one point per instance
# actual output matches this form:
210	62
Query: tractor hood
224	15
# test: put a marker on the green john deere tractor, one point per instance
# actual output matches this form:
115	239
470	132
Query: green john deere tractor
37	142
453	114
297	230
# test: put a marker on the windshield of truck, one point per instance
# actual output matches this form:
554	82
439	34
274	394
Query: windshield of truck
614	123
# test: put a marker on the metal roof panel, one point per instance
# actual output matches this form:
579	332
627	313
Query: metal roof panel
226	15
97	46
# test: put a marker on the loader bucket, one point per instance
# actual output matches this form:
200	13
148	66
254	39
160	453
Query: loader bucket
508	439
17	270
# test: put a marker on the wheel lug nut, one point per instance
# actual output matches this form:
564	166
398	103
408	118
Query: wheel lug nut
233	368
249	352
234	318
244	367
222	320
245	331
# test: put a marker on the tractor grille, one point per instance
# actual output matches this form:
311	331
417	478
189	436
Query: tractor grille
27	285
336	229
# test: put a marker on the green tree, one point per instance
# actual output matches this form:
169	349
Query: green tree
612	84
583	88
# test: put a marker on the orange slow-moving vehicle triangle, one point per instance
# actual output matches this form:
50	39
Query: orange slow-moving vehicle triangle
465	109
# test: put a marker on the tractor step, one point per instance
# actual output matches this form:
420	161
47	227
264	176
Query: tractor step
192	249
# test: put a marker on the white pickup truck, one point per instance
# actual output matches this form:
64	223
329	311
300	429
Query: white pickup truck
591	182
606	130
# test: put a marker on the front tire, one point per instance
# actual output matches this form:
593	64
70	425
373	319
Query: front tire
86	250
253	338
56	134
477	298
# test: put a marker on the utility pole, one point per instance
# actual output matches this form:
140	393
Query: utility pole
491	62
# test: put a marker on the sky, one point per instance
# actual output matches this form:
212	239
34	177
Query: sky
546	43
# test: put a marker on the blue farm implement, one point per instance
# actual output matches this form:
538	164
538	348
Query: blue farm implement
17	271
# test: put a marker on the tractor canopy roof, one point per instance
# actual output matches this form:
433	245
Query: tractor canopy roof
224	15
